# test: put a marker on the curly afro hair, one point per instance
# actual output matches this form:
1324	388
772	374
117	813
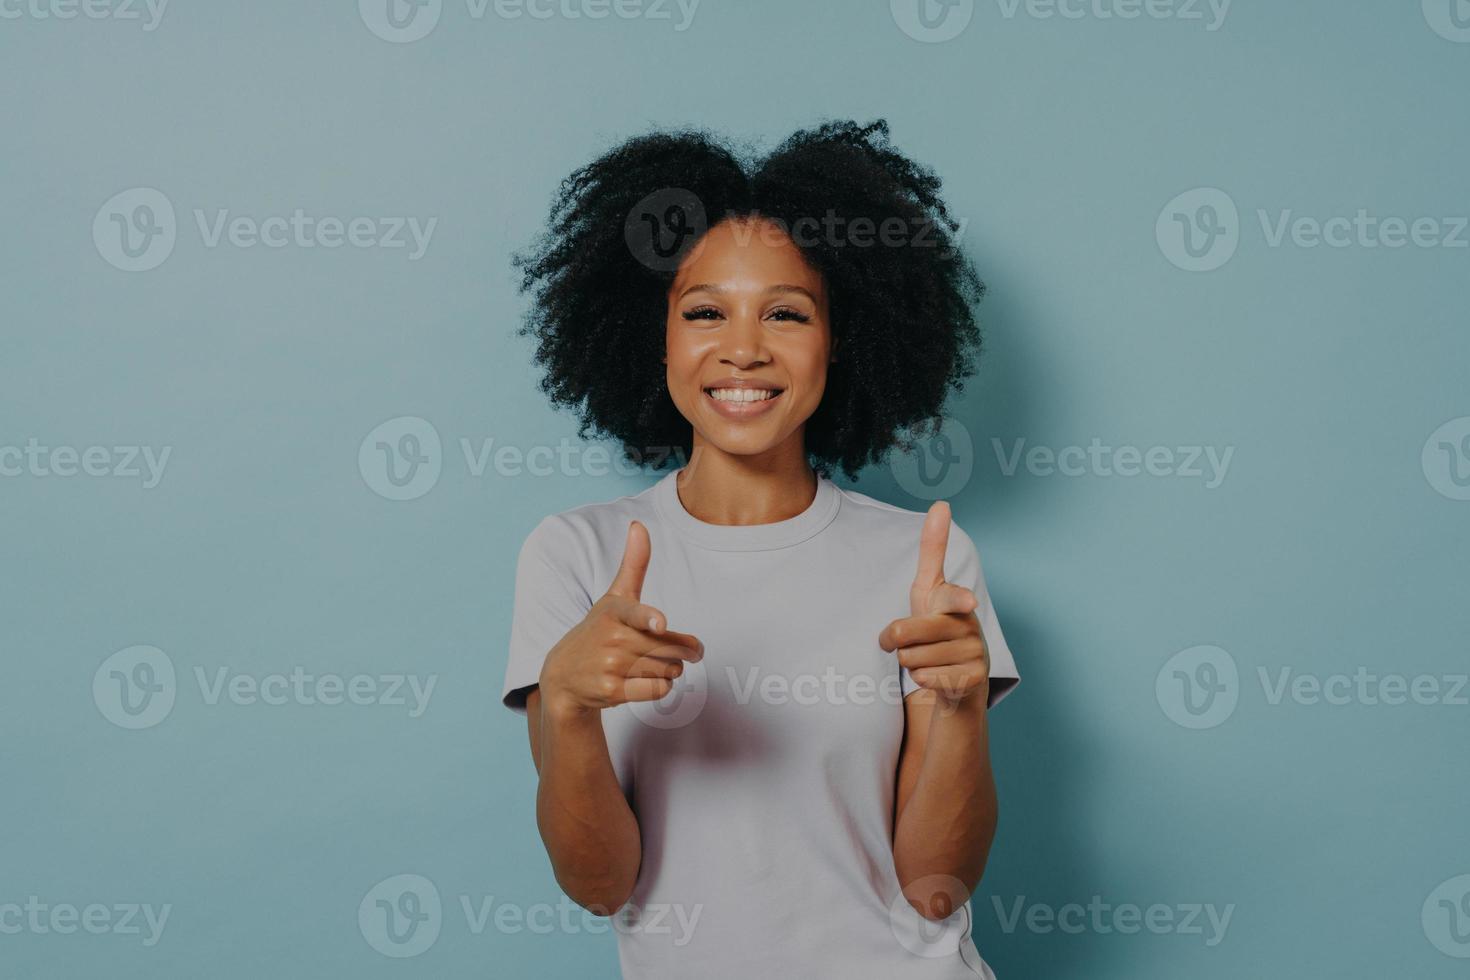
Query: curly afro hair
866	217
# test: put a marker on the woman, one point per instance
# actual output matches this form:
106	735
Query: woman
757	702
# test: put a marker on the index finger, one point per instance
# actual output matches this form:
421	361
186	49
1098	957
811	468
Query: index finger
653	626
672	645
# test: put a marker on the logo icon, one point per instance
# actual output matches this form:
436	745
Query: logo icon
932	21
681	705
1199	230
401	916
940	465
659	227
1450	19
931	938
1446	459
400	21
135	230
135	688
402	458
1446	917
1198	687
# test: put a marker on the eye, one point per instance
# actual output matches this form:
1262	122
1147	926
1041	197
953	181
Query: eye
702	313
789	314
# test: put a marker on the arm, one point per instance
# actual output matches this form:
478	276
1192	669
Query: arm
945	806
589	830
621	651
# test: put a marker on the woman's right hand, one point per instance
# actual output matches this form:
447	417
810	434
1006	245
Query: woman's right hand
622	650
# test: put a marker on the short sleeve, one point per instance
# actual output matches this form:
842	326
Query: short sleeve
962	567
549	601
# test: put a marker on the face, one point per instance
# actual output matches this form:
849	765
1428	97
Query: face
748	340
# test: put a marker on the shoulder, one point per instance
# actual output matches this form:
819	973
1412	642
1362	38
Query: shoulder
571	537
876	511
874	515
889	533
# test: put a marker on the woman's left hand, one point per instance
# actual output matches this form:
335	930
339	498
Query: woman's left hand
940	640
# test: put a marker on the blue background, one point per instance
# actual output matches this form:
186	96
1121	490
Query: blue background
1327	547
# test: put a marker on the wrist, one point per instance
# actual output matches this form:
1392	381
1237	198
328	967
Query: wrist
973	703
560	708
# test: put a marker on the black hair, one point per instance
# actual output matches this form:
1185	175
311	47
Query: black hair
867	218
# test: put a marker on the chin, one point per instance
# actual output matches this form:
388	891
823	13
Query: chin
743	447
741	443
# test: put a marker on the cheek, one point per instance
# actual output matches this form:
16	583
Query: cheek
807	366
683	354
682	350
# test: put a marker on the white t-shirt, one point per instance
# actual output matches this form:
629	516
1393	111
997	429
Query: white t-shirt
764	783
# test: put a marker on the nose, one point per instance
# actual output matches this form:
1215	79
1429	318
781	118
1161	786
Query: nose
743	343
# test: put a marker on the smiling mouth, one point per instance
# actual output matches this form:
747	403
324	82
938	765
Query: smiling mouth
742	403
742	395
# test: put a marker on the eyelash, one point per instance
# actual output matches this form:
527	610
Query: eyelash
710	313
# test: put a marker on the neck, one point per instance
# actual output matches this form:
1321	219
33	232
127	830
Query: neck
721	488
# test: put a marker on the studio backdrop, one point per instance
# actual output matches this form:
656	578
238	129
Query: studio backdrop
269	444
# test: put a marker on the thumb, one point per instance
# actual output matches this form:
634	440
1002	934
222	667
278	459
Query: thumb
628	582
933	540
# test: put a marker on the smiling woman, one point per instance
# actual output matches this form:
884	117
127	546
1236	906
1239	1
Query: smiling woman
747	339
803	828
877	253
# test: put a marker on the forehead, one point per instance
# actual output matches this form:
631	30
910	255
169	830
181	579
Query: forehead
747	253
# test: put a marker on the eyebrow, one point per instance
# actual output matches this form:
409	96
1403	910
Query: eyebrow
784	287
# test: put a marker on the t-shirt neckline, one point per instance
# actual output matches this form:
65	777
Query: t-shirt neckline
746	537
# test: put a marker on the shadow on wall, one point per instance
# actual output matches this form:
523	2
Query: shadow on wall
1044	850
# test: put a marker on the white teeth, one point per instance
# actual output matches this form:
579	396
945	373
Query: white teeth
741	394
